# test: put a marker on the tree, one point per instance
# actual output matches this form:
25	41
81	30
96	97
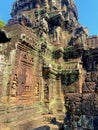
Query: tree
2	24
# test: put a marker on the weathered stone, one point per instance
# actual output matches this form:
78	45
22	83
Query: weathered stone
44	63
43	128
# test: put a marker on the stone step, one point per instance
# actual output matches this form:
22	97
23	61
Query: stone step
26	97
47	127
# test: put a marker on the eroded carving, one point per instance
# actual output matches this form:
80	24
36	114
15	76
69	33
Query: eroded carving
14	85
46	92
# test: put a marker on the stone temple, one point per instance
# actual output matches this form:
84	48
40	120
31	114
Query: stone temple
48	69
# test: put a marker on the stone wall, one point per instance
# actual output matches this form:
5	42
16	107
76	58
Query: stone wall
45	66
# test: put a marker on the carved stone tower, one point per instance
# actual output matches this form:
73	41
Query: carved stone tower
41	64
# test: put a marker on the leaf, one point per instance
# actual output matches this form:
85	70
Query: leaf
2	24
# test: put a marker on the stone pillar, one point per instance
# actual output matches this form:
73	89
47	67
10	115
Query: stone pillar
80	83
50	89
41	83
59	102
45	96
80	69
52	101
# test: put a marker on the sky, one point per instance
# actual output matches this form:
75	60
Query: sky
88	14
5	9
87	10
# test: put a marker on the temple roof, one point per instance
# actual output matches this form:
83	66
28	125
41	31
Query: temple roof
22	5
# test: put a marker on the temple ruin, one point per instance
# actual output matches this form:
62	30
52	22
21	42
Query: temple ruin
48	67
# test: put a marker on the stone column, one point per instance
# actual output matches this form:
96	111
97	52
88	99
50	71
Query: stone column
59	102
50	89
81	75
41	82
51	93
80	83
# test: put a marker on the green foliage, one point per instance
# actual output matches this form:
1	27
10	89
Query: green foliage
2	24
39	13
70	77
56	54
72	52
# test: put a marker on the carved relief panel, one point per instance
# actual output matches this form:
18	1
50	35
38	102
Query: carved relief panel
12	88
24	83
26	74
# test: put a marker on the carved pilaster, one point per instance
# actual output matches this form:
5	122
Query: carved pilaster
59	107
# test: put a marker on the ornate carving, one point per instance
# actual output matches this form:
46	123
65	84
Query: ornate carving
36	87
37	78
46	93
14	85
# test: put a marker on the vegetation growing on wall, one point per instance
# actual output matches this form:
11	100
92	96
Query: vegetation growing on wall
72	52
57	53
2	24
69	77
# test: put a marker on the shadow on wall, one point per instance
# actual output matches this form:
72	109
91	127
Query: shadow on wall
59	124
54	122
42	128
3	37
